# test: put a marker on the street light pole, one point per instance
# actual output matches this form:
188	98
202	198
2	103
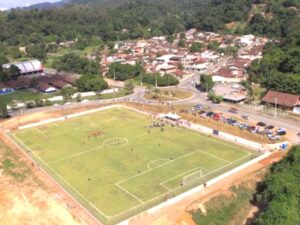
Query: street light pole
275	111
156	80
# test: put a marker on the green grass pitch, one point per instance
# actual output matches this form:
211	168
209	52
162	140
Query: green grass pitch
116	166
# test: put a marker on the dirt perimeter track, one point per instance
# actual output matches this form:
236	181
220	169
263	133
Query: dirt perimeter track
172	212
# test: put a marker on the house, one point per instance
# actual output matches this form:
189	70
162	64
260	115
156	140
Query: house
225	74
247	40
70	80
283	100
166	68
45	87
179	73
234	93
197	66
58	83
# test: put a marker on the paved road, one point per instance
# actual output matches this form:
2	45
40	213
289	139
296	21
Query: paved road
293	126
198	97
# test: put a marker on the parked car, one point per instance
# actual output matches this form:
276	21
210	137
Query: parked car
230	121
269	127
209	114
281	131
198	107
261	124
245	117
275	137
251	128
217	116
233	110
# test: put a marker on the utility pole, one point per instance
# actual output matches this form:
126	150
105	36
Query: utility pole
156	80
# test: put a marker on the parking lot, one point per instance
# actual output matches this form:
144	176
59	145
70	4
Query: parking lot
241	121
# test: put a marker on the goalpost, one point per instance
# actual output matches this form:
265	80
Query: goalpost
192	177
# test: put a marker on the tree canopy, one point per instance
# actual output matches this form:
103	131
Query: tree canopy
280	192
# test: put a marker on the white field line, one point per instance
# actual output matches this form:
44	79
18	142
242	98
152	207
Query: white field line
214	139
156	160
164	164
182	174
75	190
127	192
149	170
150	200
42	133
214	156
164	194
75	155
90	150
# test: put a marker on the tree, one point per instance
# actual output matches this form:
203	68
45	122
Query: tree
279	192
15	52
67	92
248	87
181	43
156	92
162	81
91	83
37	51
123	72
196	47
170	39
3	110
128	87
206	82
13	72
74	63
215	98
213	45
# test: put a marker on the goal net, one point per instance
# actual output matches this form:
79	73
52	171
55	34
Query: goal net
192	177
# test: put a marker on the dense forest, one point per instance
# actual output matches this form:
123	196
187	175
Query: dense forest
135	19
280	67
279	193
95	21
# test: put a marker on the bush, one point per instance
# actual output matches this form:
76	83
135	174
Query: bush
162	81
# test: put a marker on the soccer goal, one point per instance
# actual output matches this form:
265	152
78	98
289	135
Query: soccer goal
192	177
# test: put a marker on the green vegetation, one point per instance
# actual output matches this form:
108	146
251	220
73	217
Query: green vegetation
196	47
212	96
10	165
206	82
24	95
279	193
111	22
91	83
225	209
118	172
167	94
279	69
74	63
161	81
122	72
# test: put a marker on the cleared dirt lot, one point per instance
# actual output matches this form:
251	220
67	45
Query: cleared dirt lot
38	200
27	196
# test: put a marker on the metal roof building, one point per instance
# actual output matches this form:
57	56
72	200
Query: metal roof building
27	67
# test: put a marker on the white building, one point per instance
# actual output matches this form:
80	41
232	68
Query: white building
27	67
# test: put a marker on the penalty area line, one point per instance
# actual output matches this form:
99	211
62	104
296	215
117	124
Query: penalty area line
67	183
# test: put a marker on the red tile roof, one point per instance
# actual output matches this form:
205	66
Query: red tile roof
283	99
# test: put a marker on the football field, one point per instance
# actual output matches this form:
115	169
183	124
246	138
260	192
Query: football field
116	166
